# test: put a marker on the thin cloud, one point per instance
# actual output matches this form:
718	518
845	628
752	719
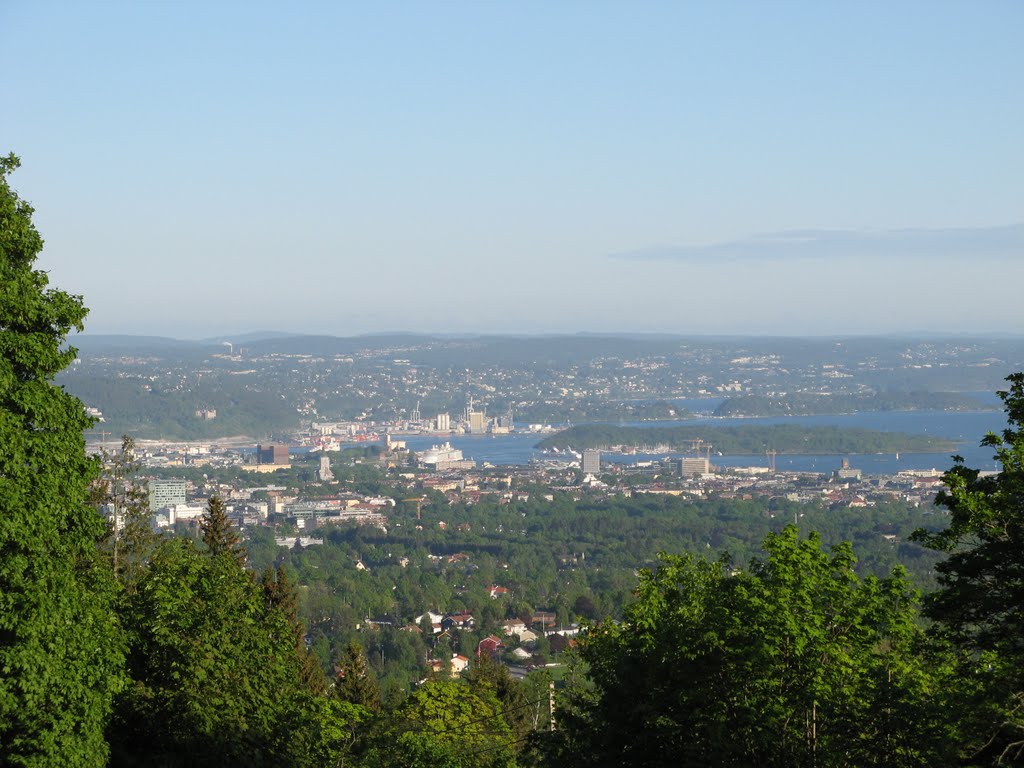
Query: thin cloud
987	243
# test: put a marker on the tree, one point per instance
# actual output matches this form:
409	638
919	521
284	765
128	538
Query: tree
356	682
130	539
445	724
216	678
280	594
219	535
60	653
794	661
980	601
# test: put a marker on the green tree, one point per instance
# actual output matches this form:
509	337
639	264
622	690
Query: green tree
356	682
130	539
219	535
281	595
60	656
794	661
216	677
487	676
445	724
980	601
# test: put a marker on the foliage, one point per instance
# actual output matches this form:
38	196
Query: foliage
795	661
219	535
60	656
130	538
356	682
445	724
217	678
980	602
747	439
137	405
804	404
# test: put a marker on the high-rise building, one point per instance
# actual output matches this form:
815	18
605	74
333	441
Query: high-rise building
165	493
592	461
272	454
443	422
324	474
694	466
477	422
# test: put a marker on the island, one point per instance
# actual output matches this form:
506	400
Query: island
745	439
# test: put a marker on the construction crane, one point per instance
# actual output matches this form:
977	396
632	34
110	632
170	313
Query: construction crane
701	448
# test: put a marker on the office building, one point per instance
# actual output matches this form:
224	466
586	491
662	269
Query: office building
165	493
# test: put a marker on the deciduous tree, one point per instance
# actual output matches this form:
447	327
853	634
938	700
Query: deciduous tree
60	656
793	661
980	602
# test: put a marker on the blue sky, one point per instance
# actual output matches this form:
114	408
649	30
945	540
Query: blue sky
768	168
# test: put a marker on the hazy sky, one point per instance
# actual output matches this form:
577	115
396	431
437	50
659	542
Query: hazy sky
765	167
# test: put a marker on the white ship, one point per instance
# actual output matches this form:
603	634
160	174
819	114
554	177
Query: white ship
325	444
437	454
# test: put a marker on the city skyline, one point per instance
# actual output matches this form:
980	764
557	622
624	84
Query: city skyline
730	169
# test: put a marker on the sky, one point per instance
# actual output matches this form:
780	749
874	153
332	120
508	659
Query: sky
204	169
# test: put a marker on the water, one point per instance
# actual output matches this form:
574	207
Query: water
966	428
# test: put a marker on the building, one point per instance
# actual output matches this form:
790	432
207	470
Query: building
694	466
846	472
324	474
272	454
165	493
443	422
477	422
591	461
181	512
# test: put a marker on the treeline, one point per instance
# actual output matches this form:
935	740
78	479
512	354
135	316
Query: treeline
805	404
575	559
747	439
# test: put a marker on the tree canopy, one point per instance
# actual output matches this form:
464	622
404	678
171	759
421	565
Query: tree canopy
60	654
980	601
791	661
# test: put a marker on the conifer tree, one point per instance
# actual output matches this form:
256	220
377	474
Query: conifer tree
356	683
282	596
60	656
219	535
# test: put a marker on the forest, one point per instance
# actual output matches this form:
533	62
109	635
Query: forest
802	404
746	439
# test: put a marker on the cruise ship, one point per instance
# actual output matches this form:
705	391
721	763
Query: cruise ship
439	454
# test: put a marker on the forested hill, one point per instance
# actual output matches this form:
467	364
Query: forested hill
804	404
747	439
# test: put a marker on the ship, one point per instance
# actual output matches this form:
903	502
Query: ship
325	444
439	454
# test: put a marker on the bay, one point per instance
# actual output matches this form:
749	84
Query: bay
966	428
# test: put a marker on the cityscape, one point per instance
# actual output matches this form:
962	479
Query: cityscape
511	385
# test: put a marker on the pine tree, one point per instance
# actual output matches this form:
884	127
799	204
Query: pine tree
219	535
282	596
60	654
356	683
